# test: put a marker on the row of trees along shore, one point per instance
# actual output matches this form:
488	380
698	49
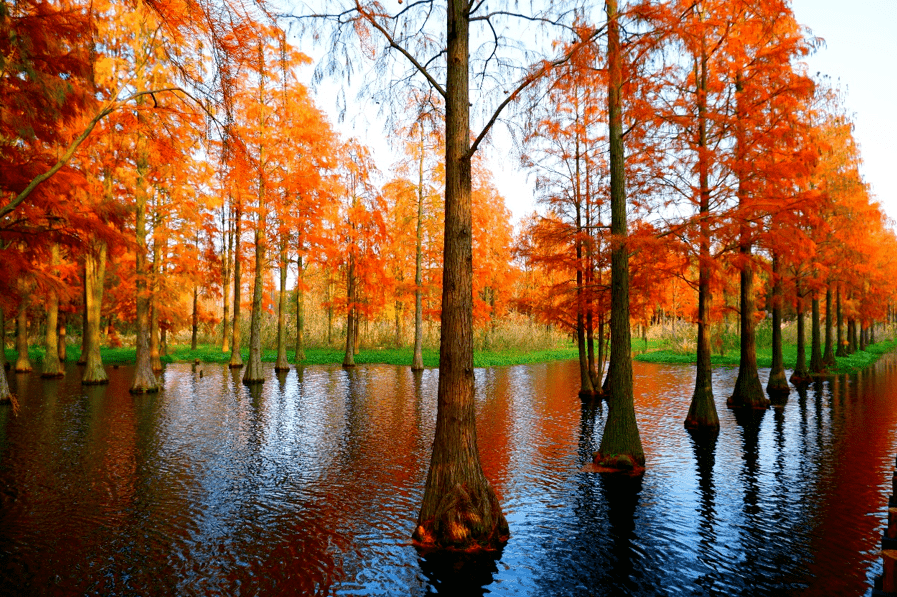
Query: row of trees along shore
165	169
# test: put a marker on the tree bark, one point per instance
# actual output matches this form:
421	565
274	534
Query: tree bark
82	358
841	350
226	266
851	335
254	373
621	445
299	353
800	375
4	364
862	335
144	378
417	361
460	509
60	334
351	320
236	358
777	386
828	355
5	394
194	332
702	413
155	357
52	367
23	364
282	364
95	272
816	366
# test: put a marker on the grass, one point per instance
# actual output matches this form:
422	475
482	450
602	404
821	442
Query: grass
314	356
849	364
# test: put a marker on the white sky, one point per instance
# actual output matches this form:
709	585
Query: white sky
860	53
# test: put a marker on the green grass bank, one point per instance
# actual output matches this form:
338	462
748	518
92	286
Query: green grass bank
849	364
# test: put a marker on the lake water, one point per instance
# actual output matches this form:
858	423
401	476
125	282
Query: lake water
311	483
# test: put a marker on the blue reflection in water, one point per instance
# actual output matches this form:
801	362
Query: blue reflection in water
310	484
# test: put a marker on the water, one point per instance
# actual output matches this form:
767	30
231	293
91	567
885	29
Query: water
311	484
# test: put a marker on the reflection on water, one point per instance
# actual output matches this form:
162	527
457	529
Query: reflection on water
310	484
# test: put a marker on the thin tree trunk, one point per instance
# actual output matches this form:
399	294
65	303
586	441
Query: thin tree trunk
417	361
852	335
52	367
351	321
777	387
828	355
702	413
841	351
95	270
23	364
60	334
816	366
82	358
800	374
5	394
460	508
254	373
236	358
282	364
226	267
862	336
195	324
155	356
299	353
4	364
621	445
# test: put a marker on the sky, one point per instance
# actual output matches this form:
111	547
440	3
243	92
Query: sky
859	55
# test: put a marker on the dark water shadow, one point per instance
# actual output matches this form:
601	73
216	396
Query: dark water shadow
459	573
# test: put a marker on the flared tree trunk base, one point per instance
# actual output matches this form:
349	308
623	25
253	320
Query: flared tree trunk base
281	367
254	373
52	374
625	464
464	520
589	394
95	381
5	394
702	413
801	378
23	366
777	386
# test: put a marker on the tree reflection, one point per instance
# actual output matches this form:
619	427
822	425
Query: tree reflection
459	573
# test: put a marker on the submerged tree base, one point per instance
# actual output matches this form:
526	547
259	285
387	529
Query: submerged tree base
464	521
627	464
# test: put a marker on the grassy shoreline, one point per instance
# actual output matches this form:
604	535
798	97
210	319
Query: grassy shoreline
402	356
849	364
314	356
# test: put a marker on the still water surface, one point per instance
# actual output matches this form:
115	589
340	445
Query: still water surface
310	484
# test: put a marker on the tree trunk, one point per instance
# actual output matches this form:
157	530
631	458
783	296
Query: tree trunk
52	367
862	335
702	413
282	364
226	266
417	361
194	332
236	358
60	334
748	389
841	351
351	320
851	335
299	353
586	390
95	272
82	358
828	355
777	387
23	364
5	394
460	509
144	378
155	354
816	366
800	374
621	445
254	373
4	364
